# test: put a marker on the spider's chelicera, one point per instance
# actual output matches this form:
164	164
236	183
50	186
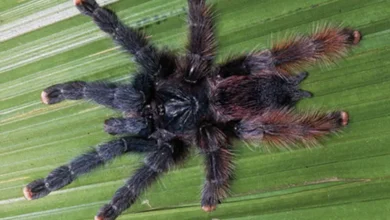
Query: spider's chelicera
179	101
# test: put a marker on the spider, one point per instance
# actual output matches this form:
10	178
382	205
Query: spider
179	101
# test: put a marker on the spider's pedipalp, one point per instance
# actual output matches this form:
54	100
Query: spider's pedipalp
64	175
156	162
121	97
214	144
283	127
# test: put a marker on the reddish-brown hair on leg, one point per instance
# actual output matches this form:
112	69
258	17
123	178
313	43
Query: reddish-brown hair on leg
284	128
325	44
176	101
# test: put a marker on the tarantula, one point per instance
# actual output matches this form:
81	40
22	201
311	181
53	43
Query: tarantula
176	102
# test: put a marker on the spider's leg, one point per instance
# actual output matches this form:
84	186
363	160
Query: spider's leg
283	127
156	162
325	45
131	40
202	46
122	97
214	144
247	64
85	163
133	125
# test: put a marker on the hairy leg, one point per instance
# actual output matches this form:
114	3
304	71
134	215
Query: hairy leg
214	144
122	97
284	128
133	41
326	44
168	154
134	125
255	62
85	163
202	46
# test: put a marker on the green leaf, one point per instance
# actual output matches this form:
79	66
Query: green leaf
346	178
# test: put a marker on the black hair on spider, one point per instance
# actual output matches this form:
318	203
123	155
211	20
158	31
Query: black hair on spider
179	101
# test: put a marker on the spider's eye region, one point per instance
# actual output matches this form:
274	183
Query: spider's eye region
161	110
147	112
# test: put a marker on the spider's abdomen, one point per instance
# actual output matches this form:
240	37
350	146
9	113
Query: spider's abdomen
240	96
183	108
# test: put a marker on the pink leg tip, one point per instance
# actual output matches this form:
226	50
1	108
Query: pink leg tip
99	218
344	118
77	2
209	208
45	98
357	36
27	193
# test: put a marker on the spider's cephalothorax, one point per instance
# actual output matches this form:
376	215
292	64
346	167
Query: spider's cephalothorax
175	102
